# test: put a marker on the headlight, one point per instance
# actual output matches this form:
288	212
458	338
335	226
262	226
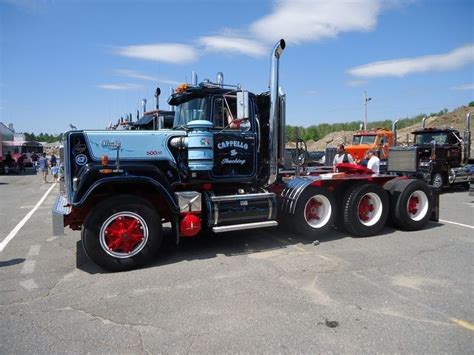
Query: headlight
425	163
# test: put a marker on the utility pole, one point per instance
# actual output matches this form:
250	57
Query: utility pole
366	100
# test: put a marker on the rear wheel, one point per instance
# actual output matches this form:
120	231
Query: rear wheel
365	210
122	233
315	211
412	204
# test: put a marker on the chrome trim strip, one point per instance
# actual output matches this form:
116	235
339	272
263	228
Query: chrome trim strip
238	227
270	209
242	197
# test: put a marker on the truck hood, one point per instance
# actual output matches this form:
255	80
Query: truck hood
358	151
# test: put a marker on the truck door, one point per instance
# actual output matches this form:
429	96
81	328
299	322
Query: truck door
234	147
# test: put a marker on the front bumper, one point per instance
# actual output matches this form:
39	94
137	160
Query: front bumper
61	208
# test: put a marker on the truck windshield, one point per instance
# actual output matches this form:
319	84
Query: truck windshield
194	109
356	140
428	138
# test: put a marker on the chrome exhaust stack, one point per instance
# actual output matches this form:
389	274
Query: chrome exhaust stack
194	78
423	122
220	79
394	130
144	106
274	119
467	139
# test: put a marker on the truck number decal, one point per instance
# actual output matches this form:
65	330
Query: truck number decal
154	152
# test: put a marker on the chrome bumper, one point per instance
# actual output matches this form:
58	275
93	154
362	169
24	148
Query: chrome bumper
60	209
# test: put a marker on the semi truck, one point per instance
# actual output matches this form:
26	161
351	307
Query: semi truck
219	169
439	156
380	140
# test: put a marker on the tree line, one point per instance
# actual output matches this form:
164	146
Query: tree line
43	137
316	132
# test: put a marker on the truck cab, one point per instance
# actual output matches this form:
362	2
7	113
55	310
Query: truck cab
379	140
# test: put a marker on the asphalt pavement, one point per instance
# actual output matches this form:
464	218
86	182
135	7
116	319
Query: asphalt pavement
261	291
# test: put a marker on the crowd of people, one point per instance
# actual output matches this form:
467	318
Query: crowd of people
39	162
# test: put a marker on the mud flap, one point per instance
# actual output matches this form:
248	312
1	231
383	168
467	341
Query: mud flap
435	212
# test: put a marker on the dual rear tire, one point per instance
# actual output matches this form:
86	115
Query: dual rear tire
366	208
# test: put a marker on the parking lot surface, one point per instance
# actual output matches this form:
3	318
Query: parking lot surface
261	291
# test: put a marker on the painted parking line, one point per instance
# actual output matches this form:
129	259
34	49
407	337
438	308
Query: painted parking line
34	250
463	323
29	284
28	267
25	219
457	224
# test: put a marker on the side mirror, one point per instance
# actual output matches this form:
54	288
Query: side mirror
242	105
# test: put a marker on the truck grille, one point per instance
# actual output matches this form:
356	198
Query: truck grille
402	159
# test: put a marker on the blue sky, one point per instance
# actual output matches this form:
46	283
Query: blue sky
89	62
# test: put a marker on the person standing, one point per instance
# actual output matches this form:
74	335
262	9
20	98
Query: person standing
43	166
374	162
341	157
53	160
34	162
21	163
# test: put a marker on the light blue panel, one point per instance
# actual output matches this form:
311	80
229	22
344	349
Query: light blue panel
135	145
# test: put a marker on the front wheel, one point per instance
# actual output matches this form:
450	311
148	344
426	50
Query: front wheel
365	210
122	233
437	180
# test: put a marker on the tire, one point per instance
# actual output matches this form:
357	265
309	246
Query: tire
109	246
438	180
412	204
365	210
315	212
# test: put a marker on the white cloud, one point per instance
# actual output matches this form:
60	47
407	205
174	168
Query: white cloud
160	52
140	76
400	67
463	87
355	83
125	86
133	74
310	20
232	44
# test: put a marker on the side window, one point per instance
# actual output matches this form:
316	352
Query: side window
452	139
225	112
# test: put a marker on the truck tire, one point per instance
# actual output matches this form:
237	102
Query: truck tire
365	210
412	203
315	212
437	180
122	233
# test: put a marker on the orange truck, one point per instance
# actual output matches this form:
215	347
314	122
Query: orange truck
377	139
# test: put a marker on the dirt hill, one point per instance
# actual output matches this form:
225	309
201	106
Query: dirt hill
455	119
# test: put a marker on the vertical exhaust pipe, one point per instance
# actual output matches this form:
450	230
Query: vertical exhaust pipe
170	107
220	79
467	139
423	122
394	130
274	118
194	78
144	106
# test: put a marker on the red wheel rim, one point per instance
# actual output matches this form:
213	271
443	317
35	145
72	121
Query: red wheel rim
312	210
123	234
365	208
413	204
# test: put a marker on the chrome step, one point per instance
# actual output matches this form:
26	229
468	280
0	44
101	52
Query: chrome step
238	227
